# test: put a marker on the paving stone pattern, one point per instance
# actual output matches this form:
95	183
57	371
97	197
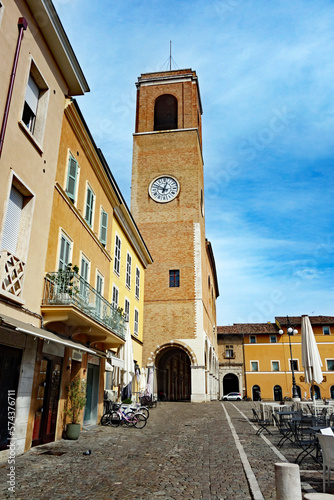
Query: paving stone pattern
186	451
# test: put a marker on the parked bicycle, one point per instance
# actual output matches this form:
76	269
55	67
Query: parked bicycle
137	407
116	417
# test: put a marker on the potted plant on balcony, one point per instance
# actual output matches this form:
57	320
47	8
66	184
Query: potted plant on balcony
76	400
63	286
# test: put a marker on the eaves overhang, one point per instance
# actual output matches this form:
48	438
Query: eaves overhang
55	36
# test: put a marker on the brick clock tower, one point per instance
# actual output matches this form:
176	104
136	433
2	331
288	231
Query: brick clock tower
167	202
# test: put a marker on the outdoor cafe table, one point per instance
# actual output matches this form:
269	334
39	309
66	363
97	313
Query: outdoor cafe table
267	410
319	406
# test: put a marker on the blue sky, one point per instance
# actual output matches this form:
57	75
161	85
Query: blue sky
266	79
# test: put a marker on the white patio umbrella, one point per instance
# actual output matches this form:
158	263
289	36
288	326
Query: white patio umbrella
311	360
142	381
126	353
148	390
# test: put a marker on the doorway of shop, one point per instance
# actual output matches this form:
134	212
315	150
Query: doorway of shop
48	385
10	361
92	394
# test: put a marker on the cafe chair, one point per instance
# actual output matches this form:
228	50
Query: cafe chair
327	448
284	430
262	423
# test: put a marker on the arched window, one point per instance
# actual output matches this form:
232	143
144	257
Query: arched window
165	112
316	392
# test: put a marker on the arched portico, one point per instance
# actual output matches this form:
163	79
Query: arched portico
230	383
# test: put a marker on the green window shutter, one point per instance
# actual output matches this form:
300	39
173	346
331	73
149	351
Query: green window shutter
89	206
103	228
72	178
64	254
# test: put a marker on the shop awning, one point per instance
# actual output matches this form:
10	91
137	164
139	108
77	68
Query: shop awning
114	360
22	327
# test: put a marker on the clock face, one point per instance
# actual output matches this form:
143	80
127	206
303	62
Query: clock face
164	189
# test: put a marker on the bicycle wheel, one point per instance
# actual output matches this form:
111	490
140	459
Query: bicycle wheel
115	419
128	418
105	419
144	411
139	420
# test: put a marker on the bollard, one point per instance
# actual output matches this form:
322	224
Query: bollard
287	479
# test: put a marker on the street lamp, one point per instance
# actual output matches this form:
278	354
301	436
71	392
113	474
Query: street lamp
291	331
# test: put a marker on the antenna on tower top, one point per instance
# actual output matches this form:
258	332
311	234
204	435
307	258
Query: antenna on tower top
167	65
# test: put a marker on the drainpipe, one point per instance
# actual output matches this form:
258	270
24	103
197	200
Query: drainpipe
22	25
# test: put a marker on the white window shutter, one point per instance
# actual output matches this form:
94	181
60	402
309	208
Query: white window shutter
32	95
13	221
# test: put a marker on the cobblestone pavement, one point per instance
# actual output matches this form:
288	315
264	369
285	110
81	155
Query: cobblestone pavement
186	451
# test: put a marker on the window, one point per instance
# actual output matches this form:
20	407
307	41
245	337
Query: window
254	366
84	273
30	104
115	294
273	339
35	104
13	221
229	351
128	270
2	8
326	330
117	256
295	365
64	252
174	278
99	283
127	309
17	221
137	282
72	174
165	112
330	364
103	227
252	339
275	366
135	326
90	198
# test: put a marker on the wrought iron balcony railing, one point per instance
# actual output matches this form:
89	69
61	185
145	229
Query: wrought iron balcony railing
65	288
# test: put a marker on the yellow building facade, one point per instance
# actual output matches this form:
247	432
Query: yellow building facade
267	360
80	303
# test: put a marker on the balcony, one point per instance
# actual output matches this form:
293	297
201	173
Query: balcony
11	276
71	301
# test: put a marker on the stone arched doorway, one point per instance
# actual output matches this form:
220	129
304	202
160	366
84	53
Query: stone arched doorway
173	375
230	383
256	392
278	396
